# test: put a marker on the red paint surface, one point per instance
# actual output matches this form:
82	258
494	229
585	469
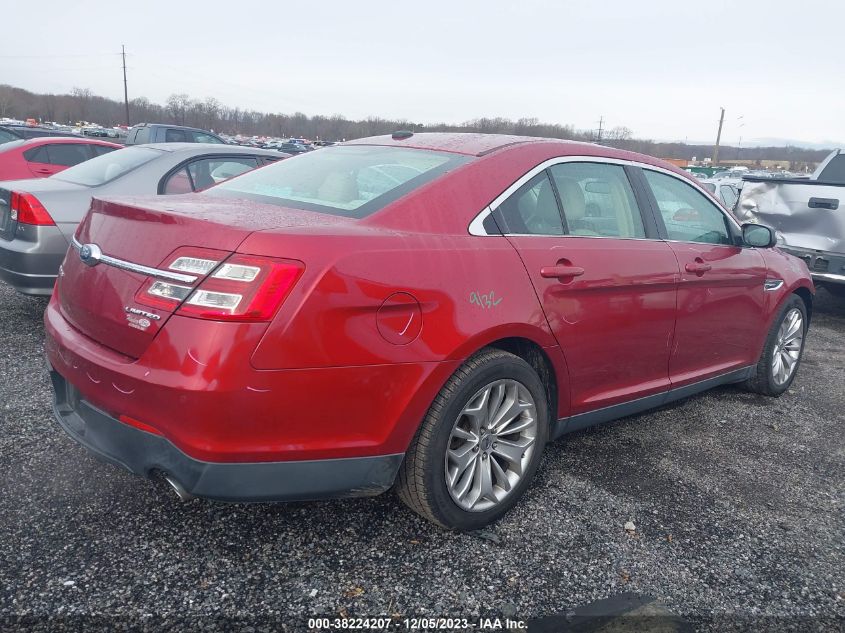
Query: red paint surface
383	314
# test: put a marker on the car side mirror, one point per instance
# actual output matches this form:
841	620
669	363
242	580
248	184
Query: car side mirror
758	235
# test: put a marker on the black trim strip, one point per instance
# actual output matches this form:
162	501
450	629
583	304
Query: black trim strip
644	202
614	412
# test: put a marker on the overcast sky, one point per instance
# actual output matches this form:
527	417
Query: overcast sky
660	67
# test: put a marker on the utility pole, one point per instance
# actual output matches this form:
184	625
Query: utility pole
718	138
125	89
601	124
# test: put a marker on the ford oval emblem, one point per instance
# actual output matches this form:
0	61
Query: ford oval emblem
90	254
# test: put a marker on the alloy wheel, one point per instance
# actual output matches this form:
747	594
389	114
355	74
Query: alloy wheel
787	348
491	445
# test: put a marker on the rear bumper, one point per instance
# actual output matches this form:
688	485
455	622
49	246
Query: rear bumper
30	262
824	267
144	453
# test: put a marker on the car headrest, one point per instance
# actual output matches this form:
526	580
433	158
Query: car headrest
572	198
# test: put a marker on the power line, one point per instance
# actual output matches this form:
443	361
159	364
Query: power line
718	139
56	56
125	88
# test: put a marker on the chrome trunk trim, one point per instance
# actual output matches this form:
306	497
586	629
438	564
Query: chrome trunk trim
138	268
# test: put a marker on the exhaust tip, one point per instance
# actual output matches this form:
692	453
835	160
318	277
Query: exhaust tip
180	491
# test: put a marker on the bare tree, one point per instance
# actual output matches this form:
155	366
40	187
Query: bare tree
82	98
177	106
6	97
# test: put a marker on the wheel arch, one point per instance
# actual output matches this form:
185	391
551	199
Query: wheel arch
807	297
529	344
539	359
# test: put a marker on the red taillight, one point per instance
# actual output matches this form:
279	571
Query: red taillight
187	260
27	209
243	288
236	288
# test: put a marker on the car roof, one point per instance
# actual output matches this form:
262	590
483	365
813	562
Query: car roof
467	143
52	140
173	126
199	148
475	144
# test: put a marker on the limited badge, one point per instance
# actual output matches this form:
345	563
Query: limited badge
140	319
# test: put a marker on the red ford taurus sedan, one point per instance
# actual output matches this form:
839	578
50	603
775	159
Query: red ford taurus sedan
421	310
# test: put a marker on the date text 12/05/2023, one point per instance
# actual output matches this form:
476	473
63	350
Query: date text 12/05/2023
417	624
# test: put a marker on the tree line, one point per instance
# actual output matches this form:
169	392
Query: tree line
81	105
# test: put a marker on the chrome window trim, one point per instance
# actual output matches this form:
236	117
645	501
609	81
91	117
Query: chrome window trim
139	268
476	226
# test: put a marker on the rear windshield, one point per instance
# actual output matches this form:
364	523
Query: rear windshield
102	169
352	180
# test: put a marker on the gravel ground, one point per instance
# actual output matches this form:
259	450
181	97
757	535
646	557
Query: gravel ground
738	503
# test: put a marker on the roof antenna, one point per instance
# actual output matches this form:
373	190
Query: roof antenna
401	135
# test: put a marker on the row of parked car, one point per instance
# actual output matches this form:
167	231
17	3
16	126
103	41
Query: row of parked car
425	311
47	184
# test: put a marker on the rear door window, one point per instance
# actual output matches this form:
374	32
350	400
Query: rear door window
67	154
202	137
532	209
178	182
175	136
37	155
208	172
597	200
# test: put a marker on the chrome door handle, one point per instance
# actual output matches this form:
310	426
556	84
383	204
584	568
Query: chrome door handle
561	272
699	268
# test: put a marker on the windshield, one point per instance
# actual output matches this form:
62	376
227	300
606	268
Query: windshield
102	169
352	181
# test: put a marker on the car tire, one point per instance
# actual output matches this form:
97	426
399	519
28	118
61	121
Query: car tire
447	430
765	379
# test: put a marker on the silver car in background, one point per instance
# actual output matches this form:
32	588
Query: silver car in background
726	190
38	217
808	214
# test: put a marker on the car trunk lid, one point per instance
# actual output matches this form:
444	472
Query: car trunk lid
138	239
42	188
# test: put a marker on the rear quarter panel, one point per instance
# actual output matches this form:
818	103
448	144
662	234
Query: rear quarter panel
470	290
